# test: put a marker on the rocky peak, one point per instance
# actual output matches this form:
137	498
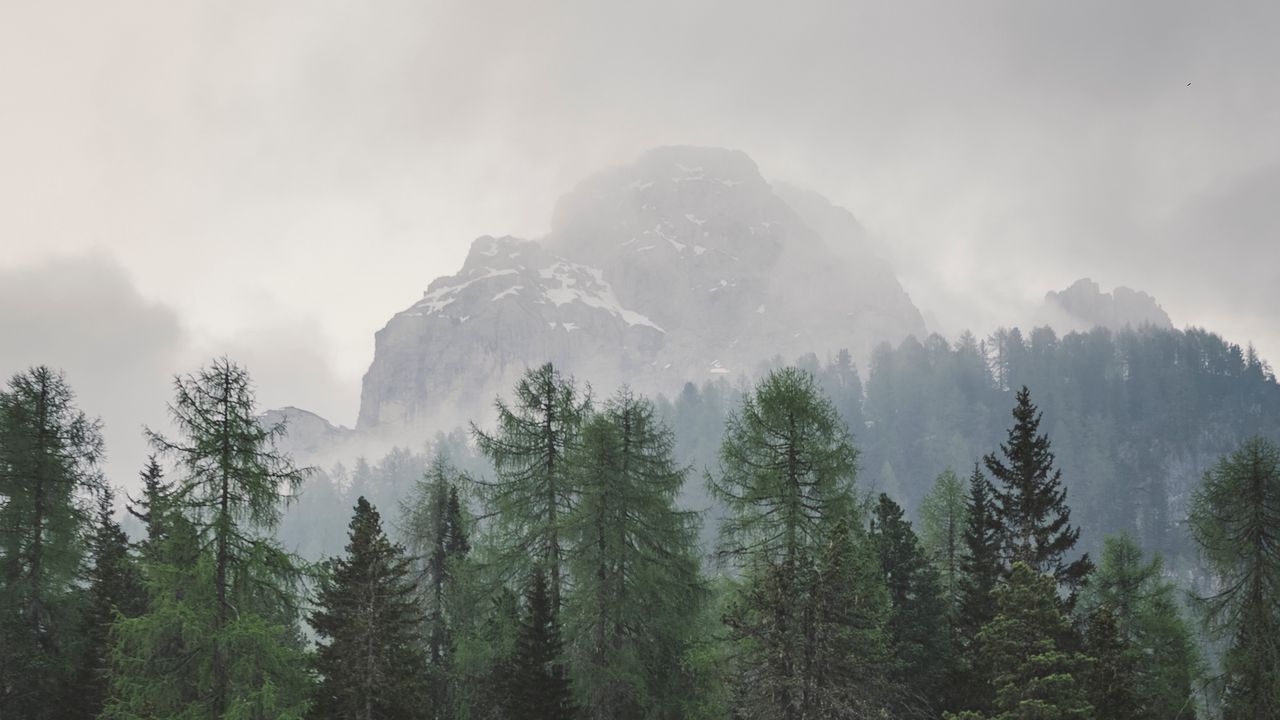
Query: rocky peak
682	265
1084	305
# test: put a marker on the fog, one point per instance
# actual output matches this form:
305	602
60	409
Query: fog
272	180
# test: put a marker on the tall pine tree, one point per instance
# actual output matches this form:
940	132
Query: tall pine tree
981	568
368	621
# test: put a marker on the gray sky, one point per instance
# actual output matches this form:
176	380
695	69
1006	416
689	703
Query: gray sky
275	179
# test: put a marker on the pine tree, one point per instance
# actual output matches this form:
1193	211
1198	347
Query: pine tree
367	619
532	494
437	534
917	610
537	687
223	611
1031	502
49	453
981	570
1035	678
1235	520
115	590
634	562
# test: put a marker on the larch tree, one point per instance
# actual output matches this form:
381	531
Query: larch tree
527	503
1235	520
786	474
367	618
232	598
49	453
634	561
944	515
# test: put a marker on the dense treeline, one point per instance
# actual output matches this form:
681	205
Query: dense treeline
546	567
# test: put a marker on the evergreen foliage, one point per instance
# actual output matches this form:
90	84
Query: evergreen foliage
532	494
917	611
368	621
220	638
537	686
1032	503
49	453
1235	519
634	562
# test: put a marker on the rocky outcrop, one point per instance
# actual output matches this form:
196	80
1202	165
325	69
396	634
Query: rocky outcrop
685	265
1084	305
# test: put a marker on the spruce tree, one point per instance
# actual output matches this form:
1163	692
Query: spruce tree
636	588
532	493
151	507
1235	520
49	453
917	610
1034	676
537	686
368	621
437	535
115	590
1111	682
1032	503
981	570
224	607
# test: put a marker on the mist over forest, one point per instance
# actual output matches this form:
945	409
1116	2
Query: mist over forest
713	361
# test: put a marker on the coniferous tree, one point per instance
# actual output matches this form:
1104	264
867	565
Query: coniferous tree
1035	678
437	534
636	587
1032	503
1111	682
1142	605
1235	519
981	570
49	452
786	477
944	516
115	590
151	507
532	494
220	638
917	611
537	686
368	621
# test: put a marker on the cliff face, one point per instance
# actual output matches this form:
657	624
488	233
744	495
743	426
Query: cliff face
684	265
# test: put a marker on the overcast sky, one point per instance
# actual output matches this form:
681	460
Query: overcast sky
275	179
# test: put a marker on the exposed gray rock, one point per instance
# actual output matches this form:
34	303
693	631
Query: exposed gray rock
1084	305
682	266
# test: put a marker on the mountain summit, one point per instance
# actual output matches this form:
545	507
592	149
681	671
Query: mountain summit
683	265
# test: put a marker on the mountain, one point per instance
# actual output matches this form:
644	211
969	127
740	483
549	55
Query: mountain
1084	305
684	265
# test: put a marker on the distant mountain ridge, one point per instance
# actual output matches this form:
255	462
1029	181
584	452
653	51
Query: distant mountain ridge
683	265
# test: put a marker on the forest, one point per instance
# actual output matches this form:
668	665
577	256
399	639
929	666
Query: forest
1007	528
